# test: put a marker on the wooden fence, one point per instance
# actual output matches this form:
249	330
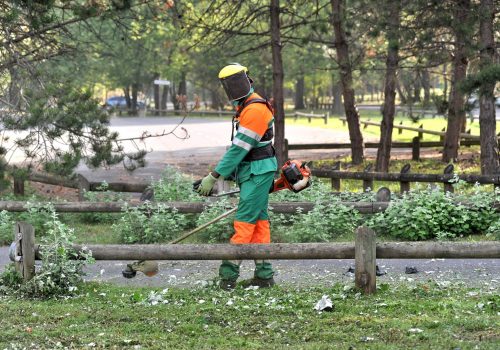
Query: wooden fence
311	116
420	130
404	177
186	207
80	182
365	251
416	145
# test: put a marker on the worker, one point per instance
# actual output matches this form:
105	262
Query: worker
251	158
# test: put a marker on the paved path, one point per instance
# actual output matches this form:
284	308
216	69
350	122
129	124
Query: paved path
479	273
207	142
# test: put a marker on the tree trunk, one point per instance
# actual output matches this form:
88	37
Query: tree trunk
487	123
337	98
164	98
445	82
278	76
426	85
183	85
456	110
391	64
135	88
299	92
401	93
156	95
128	100
351	112
417	87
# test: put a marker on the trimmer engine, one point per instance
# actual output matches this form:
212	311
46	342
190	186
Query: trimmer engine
295	176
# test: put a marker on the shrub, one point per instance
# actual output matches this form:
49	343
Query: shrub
6	228
220	231
173	186
494	230
38	214
101	195
60	272
427	214
149	223
323	223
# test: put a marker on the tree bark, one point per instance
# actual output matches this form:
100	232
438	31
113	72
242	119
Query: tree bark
128	100
401	93
135	88
445	82
156	95
173	96
351	112
164	98
299	92
456	110
417	87
278	76
426	85
337	98
183	85
391	64
487	123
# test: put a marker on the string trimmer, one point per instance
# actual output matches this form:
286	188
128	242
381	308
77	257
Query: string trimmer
295	176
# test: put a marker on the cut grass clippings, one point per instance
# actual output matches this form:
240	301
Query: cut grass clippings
422	316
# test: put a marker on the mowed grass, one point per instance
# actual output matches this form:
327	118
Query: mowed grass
373	132
423	316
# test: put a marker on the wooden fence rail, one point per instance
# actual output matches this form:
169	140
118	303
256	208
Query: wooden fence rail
415	145
405	177
194	208
311	115
185	207
23	252
420	130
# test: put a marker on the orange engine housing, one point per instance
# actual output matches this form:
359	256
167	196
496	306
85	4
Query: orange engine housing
295	176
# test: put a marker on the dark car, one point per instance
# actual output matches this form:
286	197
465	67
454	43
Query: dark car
119	102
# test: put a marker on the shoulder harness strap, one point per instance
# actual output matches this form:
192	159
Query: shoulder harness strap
247	103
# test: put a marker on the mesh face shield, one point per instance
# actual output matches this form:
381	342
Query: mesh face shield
236	86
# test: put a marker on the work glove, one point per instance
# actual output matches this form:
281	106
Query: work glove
206	185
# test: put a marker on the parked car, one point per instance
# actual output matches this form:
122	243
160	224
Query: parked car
119	102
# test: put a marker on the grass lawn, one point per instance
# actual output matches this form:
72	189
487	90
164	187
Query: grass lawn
373	132
422	316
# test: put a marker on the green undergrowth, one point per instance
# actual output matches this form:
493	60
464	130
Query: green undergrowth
418	316
424	213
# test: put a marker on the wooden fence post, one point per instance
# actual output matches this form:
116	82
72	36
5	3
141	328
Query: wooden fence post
24	237
448	187
383	195
336	181
368	183
404	186
441	137
400	131
420	133
18	186
365	260
415	148
327	115
83	186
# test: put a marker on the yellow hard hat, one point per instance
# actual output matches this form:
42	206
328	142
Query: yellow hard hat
235	81
232	69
